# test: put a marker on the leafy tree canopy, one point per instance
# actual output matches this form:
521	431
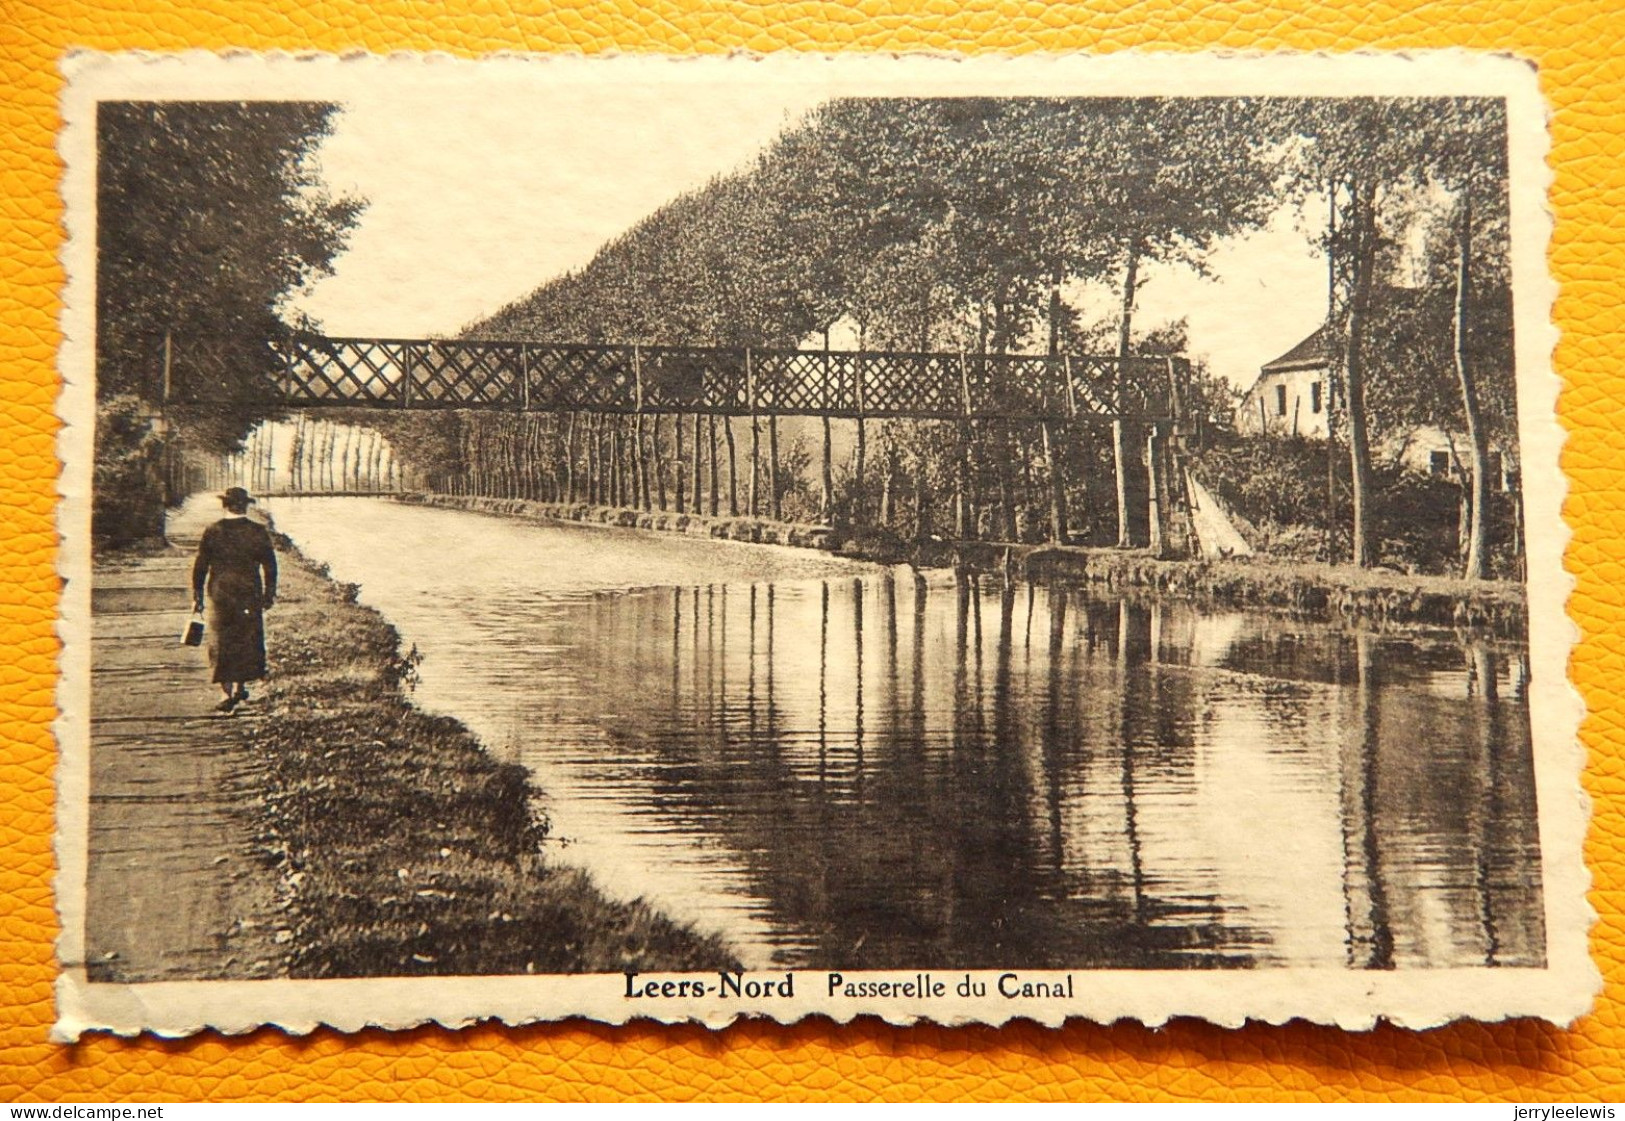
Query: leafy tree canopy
210	215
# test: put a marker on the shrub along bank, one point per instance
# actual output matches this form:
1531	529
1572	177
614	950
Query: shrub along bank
405	847
1275	490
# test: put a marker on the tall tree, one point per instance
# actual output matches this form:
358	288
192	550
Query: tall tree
1385	159
1177	176
1475	166
210	216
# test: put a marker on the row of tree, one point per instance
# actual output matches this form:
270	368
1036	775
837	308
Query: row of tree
750	467
958	223
967	223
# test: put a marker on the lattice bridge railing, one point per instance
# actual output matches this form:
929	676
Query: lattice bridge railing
561	377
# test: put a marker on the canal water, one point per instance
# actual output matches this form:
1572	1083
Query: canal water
835	764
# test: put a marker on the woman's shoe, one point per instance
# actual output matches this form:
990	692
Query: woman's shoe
226	705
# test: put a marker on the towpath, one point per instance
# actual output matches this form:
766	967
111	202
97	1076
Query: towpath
179	886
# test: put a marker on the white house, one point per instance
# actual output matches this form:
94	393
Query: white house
1289	397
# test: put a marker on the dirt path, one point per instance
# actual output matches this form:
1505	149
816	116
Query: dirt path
178	884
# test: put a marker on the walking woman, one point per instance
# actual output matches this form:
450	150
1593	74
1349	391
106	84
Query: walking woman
232	558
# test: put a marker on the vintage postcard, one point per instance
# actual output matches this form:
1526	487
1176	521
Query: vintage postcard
949	540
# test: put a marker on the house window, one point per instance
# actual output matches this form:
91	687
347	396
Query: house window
1439	463
1280	400
1314	396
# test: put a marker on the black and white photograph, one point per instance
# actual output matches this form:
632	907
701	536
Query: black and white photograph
690	539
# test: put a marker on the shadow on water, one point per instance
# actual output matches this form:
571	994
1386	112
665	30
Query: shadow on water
866	767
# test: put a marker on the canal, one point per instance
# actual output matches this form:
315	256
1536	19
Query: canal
838	764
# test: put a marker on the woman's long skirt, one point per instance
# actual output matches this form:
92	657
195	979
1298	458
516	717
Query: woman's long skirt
237	641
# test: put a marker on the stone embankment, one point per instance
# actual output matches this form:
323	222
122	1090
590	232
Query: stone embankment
759	531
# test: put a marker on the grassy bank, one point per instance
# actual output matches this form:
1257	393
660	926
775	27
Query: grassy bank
407	849
1328	591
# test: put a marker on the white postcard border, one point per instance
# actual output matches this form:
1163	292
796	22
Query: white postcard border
1352	999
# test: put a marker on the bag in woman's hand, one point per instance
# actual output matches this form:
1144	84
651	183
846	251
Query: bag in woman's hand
193	634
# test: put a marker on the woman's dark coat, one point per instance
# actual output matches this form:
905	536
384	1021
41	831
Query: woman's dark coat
231	559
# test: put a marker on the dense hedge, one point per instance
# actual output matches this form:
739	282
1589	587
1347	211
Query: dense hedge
1277	490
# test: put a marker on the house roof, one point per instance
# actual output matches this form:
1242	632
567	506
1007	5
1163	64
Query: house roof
1310	354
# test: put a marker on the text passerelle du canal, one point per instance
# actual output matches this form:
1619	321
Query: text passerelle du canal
919	986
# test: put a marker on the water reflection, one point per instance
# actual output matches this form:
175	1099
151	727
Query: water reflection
873	768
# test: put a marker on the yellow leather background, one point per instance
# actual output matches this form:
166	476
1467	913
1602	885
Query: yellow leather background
1577	46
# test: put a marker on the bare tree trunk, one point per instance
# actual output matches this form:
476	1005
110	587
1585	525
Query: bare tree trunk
773	467
858	473
1122	452
886	486
860	505
1153	465
600	469
678	466
1478	527
1007	508
922	511
1052	452
1330	553
827	492
297	467
826	476
642	460
660	461
697	450
711	437
541	429
755	463
570	459
519	455
733	467
1365	245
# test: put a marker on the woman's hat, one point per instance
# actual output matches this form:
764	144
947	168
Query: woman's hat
235	496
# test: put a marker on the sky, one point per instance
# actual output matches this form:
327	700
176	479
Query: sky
476	197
